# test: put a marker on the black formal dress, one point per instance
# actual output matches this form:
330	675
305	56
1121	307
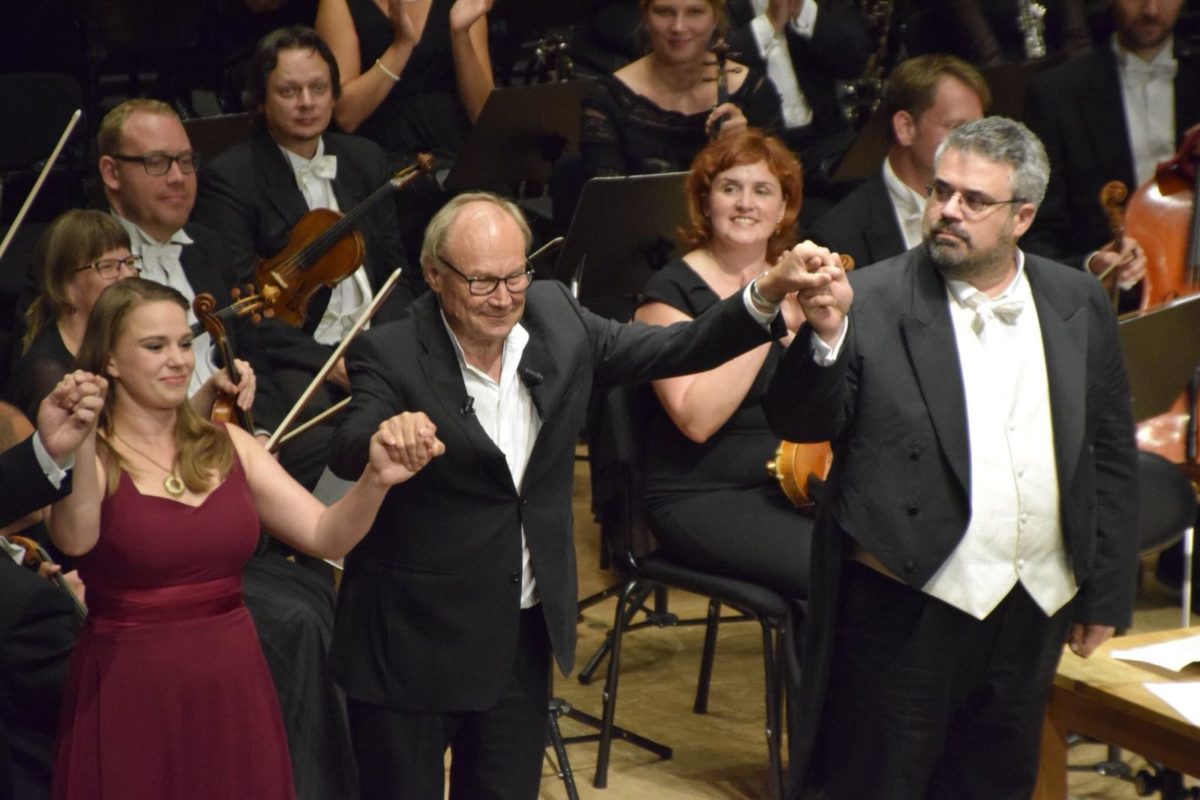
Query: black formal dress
624	133
39	370
713	505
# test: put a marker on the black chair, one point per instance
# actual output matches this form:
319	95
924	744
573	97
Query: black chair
627	535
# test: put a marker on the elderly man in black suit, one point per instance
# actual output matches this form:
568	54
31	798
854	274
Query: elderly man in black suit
452	605
1111	115
982	504
926	97
37	621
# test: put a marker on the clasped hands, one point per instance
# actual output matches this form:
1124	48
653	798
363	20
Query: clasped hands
69	414
816	277
403	445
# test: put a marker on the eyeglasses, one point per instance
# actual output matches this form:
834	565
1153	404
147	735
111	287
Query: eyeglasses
160	163
111	267
481	287
974	204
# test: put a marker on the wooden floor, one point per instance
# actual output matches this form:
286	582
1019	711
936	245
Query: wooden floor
722	754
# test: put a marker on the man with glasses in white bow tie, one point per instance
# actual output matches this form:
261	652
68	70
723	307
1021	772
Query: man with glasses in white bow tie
1113	114
982	504
255	192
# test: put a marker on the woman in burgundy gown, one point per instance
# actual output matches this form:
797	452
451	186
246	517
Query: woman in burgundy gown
169	695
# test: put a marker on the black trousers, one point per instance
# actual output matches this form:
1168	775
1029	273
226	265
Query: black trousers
924	700
495	753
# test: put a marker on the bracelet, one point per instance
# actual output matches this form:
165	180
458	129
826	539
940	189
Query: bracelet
395	78
763	304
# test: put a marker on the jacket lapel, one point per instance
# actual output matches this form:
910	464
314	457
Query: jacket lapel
439	363
933	351
282	190
1065	344
1104	115
883	235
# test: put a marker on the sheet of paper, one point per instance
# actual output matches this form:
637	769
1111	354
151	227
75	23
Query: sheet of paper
1173	655
1183	697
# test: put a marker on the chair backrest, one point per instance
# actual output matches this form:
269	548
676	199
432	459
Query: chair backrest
615	437
210	136
1166	503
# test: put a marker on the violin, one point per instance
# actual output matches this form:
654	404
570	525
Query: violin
35	556
323	247
796	466
225	409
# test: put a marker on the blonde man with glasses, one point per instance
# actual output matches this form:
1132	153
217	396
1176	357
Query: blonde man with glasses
983	498
454	604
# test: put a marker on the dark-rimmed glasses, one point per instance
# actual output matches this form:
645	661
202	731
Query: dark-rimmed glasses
160	163
482	287
974	204
109	268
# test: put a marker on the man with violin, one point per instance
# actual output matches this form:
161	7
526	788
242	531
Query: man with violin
982	505
273	195
1113	114
38	622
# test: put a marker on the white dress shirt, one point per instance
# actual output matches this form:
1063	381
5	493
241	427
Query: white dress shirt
773	48
1148	91
908	204
350	297
506	412
1015	531
161	264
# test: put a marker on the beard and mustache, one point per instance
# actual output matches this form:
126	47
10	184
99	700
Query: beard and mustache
959	260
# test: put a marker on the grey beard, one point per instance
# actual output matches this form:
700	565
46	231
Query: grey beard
958	264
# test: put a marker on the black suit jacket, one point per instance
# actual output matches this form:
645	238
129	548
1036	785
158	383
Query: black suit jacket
1078	112
249	193
862	225
838	50
894	406
37	631
428	609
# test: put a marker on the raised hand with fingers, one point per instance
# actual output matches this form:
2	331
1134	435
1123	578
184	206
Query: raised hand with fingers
68	415
408	440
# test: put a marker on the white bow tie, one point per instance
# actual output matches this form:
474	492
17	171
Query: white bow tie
318	167
985	310
1138	72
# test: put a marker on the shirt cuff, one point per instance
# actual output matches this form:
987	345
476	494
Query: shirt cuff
764	35
54	473
763	319
824	354
804	23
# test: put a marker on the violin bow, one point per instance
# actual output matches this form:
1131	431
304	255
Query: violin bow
41	178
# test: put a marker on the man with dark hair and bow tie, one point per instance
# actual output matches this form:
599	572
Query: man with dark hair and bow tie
982	505
255	192
1113	114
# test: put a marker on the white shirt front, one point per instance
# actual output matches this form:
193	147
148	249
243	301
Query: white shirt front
908	205
161	264
1015	531
1148	92
773	48
352	295
506	412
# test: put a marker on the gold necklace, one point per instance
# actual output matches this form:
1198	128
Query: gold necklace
172	483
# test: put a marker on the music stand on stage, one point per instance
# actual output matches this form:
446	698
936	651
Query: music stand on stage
520	133
624	229
1162	350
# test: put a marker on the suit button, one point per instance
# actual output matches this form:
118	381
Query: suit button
910	565
915	452
515	577
913	508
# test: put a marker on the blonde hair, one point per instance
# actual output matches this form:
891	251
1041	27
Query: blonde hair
202	449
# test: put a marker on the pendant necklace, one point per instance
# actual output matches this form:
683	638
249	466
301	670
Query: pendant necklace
172	483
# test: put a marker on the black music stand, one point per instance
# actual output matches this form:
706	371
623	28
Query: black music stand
520	133
1162	351
624	229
